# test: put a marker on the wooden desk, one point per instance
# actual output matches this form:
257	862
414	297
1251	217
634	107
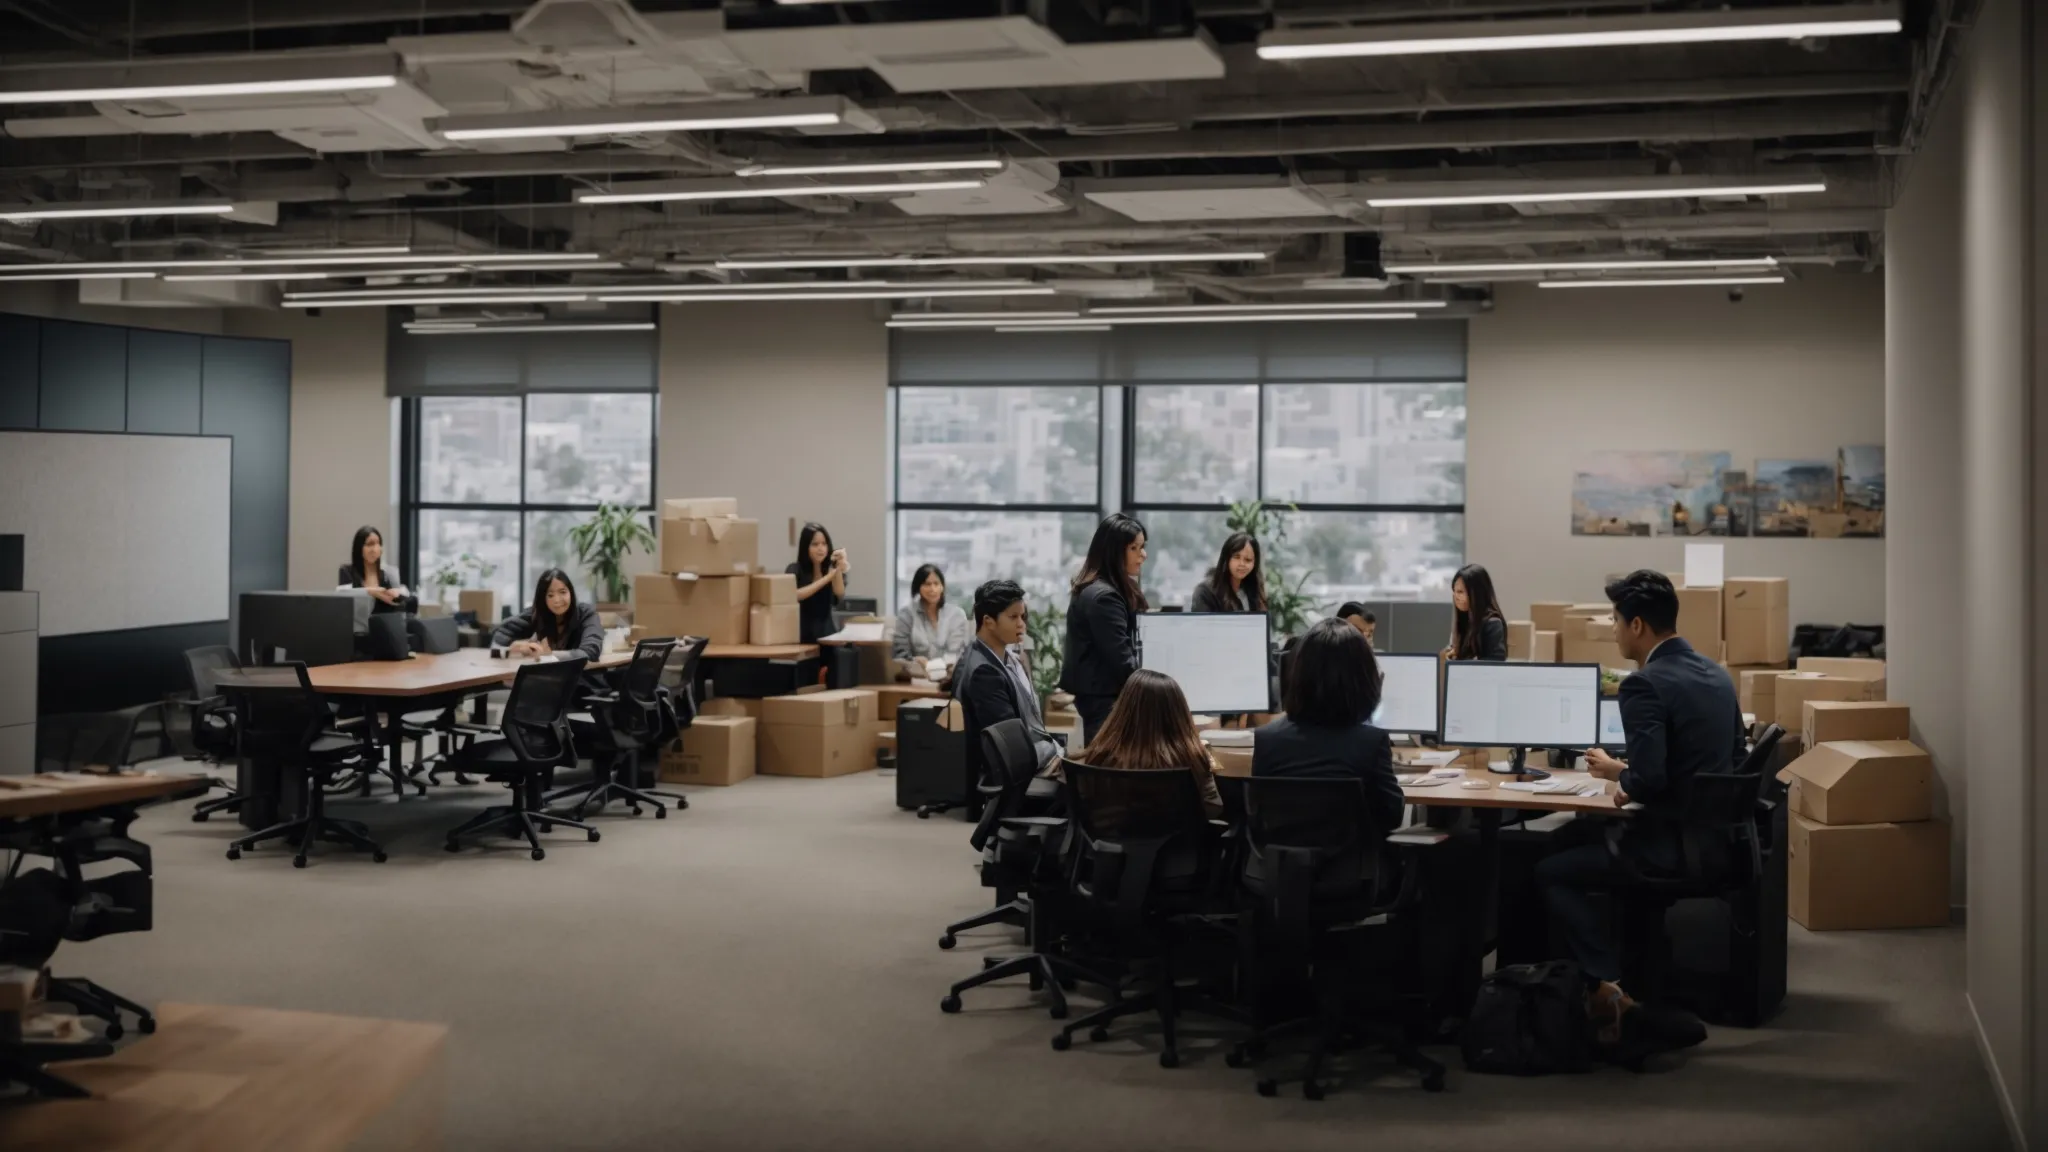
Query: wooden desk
893	695
253	1080
55	793
1451	795
760	652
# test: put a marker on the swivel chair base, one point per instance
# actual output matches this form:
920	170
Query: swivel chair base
525	815
93	1000
314	826
600	794
1331	1039
24	1064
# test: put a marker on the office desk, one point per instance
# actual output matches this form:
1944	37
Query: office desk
760	652
254	1080
62	793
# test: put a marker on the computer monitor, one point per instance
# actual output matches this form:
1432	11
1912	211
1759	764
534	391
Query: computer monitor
1612	735
1218	658
1489	705
1408	702
312	627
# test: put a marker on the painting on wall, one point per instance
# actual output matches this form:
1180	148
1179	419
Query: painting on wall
1798	498
1862	492
1652	494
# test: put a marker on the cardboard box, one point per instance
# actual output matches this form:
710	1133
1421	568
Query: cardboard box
1548	615
714	607
1794	689
730	706
699	507
819	734
1848	669
772	624
1605	653
1699	619
1758	690
1861	782
1867	875
1829	720
1757	619
721	546
1596	628
892	696
773	588
716	750
483	603
1543	647
1521	639
1232	760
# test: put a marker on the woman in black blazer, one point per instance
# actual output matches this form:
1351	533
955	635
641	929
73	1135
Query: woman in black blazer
1236	584
1102	621
557	622
1333	689
1479	629
366	570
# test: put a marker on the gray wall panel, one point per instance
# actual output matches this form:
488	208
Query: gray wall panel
84	377
20	345
247	394
163	382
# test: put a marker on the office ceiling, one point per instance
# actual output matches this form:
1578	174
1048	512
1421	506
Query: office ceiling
1126	126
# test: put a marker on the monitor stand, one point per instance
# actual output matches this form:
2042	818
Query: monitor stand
1518	766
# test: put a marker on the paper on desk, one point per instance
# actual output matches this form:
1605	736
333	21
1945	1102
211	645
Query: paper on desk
1703	565
1420	781
1226	737
1429	757
856	634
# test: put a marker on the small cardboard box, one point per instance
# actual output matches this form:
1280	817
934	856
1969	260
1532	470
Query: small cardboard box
1543	647
699	507
1521	639
1232	759
1605	653
731	706
483	603
1758	689
720	546
1599	629
1848	669
1699	619
1867	875
772	624
773	588
819	734
714	607
1548	615
716	750
1828	720
1757	619
1796	688
1862	782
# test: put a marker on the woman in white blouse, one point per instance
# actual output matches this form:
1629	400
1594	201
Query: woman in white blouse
928	632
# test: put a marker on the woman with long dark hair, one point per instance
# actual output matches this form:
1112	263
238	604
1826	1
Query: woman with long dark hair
1149	729
556	622
1236	583
928	634
365	569
1479	629
820	572
1333	688
1102	620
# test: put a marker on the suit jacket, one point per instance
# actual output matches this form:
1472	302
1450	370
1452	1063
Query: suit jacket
1284	748
586	631
989	696
386	578
1205	600
1102	642
1492	641
1682	719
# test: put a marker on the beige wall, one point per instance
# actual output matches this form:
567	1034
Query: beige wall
784	406
58	299
1793	371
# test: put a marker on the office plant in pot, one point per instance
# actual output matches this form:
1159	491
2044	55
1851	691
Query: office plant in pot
602	544
467	570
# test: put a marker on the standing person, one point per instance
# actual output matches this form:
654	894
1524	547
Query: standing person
365	569
820	572
1479	629
1681	718
1102	621
1355	614
1236	583
1333	688
927	630
556	622
991	683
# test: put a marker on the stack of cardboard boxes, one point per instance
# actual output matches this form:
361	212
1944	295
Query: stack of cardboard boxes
708	557
1775	696
1864	850
1756	623
1587	637
1546	632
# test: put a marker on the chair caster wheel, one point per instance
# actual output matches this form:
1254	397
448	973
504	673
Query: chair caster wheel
633	810
1037	982
199	817
546	827
539	855
1235	1058
115	1031
1268	1088
950	1004
1169	1059
234	853
923	815
298	861
682	804
1310	1090
378	857
146	1025
947	941
422	789
1098	1034
451	846
1062	1042
1434	1082
593	836
660	813
1057	1011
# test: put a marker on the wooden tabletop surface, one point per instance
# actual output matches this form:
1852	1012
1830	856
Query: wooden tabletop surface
424	675
1452	794
760	652
54	792
249	1079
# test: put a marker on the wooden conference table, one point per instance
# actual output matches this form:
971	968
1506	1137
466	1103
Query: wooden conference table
64	793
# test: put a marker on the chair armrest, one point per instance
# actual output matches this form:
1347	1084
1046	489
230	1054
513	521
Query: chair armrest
1034	821
202	704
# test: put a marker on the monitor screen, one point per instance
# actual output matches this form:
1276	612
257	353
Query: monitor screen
1521	705
1611	733
1407	694
1218	658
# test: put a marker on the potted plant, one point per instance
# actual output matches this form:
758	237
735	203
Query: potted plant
602	544
458	573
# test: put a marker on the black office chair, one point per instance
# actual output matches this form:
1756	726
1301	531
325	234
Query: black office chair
1316	871
635	718
534	739
284	721
210	723
437	716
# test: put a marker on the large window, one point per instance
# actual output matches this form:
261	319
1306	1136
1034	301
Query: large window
496	483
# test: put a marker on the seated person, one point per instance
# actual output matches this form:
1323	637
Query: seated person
1236	584
927	630
1150	729
557	622
1682	718
1354	614
1333	688
366	570
991	683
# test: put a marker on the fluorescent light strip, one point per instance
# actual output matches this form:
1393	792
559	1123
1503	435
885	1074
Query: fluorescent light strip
793	112
77	275
623	127
855	169
481	293
182	91
1675	192
1586	265
1057	328
494	329
991	261
89	211
766	191
367	250
1206	309
203	277
909	294
1119	321
1588	32
1700	282
1004	316
909	287
382	301
421	261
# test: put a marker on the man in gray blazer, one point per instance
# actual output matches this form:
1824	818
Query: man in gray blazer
992	684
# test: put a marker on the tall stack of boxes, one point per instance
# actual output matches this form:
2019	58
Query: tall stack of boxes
1756	622
1819	679
1587	637
708	557
772	613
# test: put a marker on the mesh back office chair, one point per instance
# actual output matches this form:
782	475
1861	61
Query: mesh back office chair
623	724
533	740
214	734
437	716
284	720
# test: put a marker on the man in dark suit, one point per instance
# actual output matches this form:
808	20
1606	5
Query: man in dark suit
991	683
1682	718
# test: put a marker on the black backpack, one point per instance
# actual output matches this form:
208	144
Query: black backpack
1530	1020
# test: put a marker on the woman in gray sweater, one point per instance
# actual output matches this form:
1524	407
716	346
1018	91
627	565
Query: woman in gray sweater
926	629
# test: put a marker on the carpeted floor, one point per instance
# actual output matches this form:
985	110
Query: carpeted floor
762	972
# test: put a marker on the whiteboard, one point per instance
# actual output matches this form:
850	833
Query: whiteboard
123	531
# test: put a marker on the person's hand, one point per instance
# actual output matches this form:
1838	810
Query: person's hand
526	648
839	561
1620	798
387	595
1447	653
1600	764
917	665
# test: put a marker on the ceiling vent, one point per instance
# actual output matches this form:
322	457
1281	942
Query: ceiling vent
1189	198
1023	186
943	55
